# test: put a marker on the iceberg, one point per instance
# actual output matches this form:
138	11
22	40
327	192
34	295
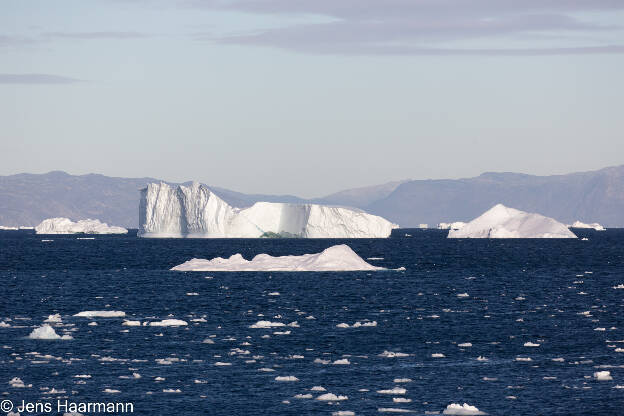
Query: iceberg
594	225
67	226
457	225
195	211
335	258
503	222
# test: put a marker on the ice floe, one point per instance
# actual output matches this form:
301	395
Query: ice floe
169	322
286	378
101	314
331	397
603	376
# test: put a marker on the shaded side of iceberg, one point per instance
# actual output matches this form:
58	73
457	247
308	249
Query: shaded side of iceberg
195	211
503	222
335	258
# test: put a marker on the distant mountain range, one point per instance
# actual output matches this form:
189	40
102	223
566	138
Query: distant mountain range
596	196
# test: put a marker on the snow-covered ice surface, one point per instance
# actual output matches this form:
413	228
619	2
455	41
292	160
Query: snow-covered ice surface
503	222
67	226
195	211
459	325
457	225
335	258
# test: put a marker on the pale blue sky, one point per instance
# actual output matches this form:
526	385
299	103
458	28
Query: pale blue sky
310	97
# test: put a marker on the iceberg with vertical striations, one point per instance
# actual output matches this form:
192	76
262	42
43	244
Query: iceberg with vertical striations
195	211
503	222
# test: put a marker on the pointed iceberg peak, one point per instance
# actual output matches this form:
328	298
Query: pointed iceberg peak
504	222
195	211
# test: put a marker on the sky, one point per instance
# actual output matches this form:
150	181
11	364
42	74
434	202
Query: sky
308	97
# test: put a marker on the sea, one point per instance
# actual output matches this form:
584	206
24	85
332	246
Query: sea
509	327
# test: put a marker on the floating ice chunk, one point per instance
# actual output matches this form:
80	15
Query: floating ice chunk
394	390
465	409
463	295
169	322
17	383
4	325
304	396
56	318
321	361
331	397
437	355
45	331
222	364
317	388
67	226
82	376
523	359
374	258
457	225
131	323
172	391
343	361
502	222
111	391
266	369
343	413
286	378
531	344
392	354
101	314
480	358
603	375
620	286
342	325
266	324
366	324
192	294
464	345
600	329
393	410
274	294
402	380
336	258
558	359
401	400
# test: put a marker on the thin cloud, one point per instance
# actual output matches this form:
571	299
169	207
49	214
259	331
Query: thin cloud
95	35
36	79
424	26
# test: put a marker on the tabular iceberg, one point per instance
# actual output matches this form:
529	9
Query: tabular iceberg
335	258
594	225
195	211
451	225
67	226
503	222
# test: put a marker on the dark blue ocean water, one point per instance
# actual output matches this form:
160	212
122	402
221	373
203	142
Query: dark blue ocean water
556	293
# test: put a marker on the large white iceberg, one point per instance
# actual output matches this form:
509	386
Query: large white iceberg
335	258
195	211
594	225
502	222
67	226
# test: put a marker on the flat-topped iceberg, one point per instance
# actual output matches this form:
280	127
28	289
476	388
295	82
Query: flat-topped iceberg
335	258
67	226
195	211
457	225
594	225
502	222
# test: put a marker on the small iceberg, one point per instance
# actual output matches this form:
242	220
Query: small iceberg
503	222
465	409
67	226
45	331
335	258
